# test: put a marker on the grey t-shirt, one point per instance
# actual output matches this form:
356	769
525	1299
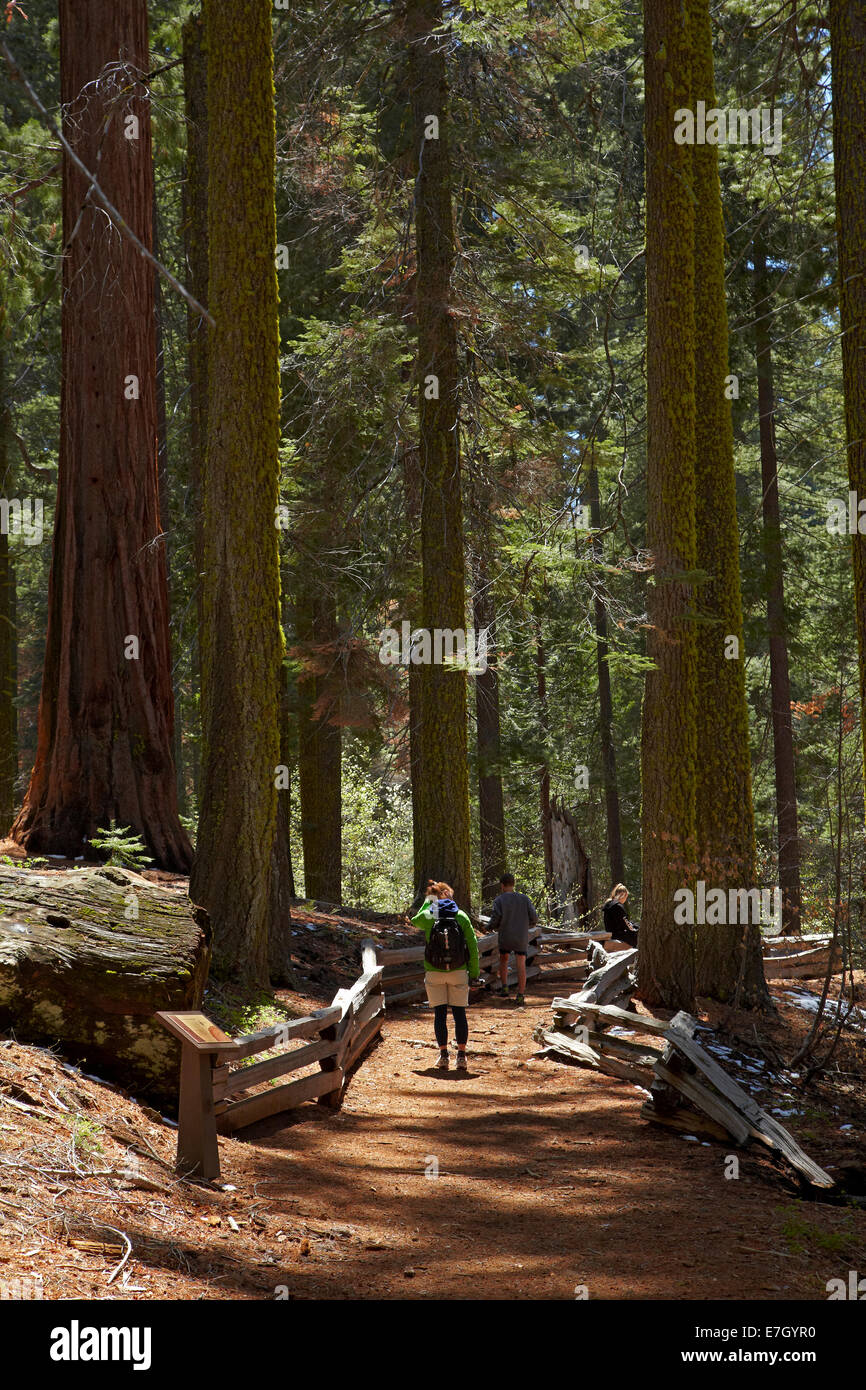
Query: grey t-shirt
511	916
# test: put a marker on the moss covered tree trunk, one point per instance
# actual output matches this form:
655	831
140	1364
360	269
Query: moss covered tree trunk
669	728
729	956
444	788
106	708
242	645
777	620
412	592
848	43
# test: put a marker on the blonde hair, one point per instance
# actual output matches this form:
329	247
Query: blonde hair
620	888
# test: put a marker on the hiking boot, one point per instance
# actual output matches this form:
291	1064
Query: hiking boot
519	999
442	1064
502	990
461	1061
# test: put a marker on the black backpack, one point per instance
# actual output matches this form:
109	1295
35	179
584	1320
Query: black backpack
446	947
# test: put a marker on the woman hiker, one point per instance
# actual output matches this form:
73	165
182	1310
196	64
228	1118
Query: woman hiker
615	918
450	962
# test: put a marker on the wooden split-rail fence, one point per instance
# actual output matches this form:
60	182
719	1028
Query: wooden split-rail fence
221	1092
219	1097
672	1067
559	954
801	958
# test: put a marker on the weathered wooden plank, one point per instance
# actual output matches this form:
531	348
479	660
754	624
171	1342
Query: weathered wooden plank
809	966
611	976
406	996
665	1097
358	992
245	1078
559	957
587	1056
762	1125
400	955
568	972
306	1027
713	1105
786	944
573	938
610	1012
240	1113
401	975
606	976
685	1122
362	1040
641	1052
331	1099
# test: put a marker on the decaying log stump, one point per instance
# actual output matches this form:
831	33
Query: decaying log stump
572	871
87	956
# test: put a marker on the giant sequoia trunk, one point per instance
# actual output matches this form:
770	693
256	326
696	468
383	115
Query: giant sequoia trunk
848	44
443	793
728	957
8	634
777	622
195	244
669	732
86	959
106	710
8	685
242	646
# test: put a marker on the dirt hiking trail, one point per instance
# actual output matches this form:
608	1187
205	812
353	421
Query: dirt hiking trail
548	1180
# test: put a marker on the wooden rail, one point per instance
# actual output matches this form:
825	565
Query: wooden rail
560	955
218	1096
673	1067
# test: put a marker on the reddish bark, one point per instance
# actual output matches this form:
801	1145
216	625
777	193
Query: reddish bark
105	719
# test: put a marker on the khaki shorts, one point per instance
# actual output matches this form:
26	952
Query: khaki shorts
447	987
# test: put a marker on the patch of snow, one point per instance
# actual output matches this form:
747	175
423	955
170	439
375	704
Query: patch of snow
691	1138
805	999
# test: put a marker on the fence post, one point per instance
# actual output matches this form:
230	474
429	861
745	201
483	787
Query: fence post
197	1147
331	1099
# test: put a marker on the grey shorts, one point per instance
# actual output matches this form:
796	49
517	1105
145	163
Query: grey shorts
511	945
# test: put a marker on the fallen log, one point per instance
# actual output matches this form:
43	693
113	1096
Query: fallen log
88	956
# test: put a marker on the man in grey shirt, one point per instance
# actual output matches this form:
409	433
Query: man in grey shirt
511	916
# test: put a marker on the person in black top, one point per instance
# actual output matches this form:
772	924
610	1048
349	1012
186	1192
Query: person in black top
615	919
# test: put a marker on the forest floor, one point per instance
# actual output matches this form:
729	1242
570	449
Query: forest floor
548	1178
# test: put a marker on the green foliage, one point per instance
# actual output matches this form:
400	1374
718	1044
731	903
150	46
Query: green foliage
123	847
